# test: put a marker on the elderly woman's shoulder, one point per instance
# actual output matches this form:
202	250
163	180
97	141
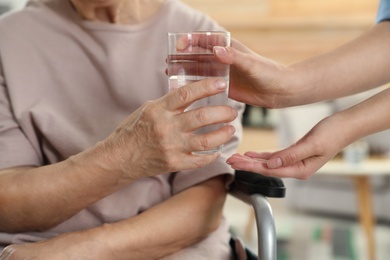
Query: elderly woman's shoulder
18	18
190	18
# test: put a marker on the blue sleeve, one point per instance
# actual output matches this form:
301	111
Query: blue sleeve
383	11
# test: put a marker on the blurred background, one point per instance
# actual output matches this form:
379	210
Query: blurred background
319	218
7	5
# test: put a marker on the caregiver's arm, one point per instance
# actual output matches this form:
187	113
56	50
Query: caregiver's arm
358	65
322	142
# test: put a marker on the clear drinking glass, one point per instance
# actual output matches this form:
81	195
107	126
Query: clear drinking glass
190	58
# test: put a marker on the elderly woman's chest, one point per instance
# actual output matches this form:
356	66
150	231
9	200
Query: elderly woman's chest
125	74
84	93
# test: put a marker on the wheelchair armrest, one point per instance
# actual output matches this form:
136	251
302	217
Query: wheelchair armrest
253	189
249	183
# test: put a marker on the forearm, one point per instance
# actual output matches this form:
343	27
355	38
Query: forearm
179	222
359	65
162	230
142	145
38	198
365	118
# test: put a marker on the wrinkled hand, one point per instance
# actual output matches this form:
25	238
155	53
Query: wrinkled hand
63	247
254	79
301	160
158	137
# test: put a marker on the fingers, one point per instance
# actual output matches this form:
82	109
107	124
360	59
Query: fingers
241	47
204	142
293	154
301	170
297	161
194	161
229	55
225	55
262	155
182	97
198	66
242	162
202	41
204	116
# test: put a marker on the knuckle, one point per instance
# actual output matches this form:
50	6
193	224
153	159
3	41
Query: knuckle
290	158
231	112
184	95
168	163
173	164
148	109
204	143
167	156
201	116
160	130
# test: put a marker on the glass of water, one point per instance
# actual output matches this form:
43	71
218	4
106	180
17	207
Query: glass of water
190	58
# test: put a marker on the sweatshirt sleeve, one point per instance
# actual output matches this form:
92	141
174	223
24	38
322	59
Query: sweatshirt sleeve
15	148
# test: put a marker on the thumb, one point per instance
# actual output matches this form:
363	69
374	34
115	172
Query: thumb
229	55
294	154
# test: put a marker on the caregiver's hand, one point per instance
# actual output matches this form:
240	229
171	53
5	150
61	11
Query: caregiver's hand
254	79
301	160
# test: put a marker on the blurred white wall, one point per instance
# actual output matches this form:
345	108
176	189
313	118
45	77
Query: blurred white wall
17	4
14	4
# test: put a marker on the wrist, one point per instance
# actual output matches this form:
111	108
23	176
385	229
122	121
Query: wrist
92	242
343	128
94	165
292	88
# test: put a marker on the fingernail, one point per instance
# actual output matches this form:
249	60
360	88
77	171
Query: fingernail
181	44
274	163
220	84
220	51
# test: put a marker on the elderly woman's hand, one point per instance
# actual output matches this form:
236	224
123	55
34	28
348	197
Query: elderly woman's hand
158	137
